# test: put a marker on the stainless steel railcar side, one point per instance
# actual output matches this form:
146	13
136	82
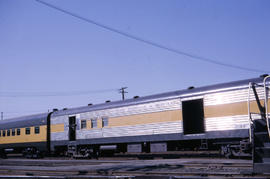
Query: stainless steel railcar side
216	114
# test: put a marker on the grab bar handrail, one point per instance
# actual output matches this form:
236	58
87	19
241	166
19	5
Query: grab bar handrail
266	103
249	113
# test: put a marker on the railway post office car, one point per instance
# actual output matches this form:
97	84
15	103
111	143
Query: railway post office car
210	117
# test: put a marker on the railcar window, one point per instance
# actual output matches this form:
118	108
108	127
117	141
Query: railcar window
13	132
18	131
27	130
4	133
105	121
37	130
93	123
8	132
83	124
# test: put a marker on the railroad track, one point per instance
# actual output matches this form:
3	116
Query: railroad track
127	175
186	168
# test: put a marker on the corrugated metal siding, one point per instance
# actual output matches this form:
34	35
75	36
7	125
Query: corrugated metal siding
58	136
231	97
59	120
211	124
147	129
136	109
227	123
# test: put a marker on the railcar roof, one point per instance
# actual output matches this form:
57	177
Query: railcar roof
162	96
24	121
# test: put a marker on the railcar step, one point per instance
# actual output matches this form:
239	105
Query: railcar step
260	125
265	151
266	160
261	137
261	133
261	168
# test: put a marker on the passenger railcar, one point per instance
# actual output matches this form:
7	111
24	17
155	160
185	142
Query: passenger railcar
27	135
212	117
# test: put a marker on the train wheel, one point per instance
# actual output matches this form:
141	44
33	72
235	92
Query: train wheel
32	153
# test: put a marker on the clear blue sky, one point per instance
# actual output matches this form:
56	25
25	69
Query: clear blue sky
44	51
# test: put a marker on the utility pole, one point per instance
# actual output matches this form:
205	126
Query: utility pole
2	116
122	90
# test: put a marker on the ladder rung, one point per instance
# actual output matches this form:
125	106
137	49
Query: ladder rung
255	113
257	119
257	85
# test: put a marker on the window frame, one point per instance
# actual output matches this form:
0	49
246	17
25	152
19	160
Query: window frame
8	132
105	121
83	124
26	131
13	132
37	130
94	121
18	131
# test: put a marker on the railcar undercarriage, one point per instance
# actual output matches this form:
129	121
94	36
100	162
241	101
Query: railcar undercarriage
236	148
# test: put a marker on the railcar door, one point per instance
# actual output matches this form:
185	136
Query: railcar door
72	128
193	116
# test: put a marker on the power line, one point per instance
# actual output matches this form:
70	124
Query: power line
25	111
192	56
52	94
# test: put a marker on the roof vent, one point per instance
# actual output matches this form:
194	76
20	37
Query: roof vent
135	97
108	101
65	109
191	87
55	109
263	75
90	104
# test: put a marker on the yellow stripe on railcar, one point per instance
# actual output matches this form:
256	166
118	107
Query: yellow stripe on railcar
25	138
